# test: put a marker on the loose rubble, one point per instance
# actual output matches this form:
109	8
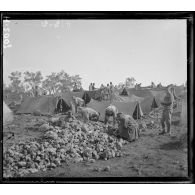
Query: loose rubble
72	140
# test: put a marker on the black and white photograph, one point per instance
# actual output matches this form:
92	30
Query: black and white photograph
95	98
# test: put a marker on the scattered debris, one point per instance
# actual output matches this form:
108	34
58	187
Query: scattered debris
75	142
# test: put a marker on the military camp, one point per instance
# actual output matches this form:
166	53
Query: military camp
52	122
86	99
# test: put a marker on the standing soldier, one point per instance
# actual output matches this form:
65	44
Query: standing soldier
102	92
106	92
90	87
111	91
167	111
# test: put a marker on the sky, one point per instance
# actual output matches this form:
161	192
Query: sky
100	51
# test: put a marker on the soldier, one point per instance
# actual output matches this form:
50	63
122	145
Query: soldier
90	87
106	92
111	111
88	114
128	127
167	111
93	86
111	91
78	102
152	85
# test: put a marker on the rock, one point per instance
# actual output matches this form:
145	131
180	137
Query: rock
44	127
84	128
52	165
36	113
107	168
119	145
54	119
78	159
57	162
33	170
91	160
97	169
51	135
32	165
28	158
87	153
23	172
142	125
21	164
38	159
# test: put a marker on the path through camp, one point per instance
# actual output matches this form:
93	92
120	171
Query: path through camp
152	155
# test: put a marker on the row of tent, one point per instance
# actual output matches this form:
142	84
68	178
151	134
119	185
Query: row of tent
48	105
136	101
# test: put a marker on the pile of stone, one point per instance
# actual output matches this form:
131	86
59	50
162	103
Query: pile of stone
67	140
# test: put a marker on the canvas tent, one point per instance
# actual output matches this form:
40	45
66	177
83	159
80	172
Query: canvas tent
154	104
137	114
86	97
124	92
139	92
7	114
48	104
179	90
44	104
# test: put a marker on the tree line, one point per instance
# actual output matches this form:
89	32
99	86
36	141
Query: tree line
26	82
55	83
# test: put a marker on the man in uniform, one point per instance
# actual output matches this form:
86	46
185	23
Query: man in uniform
90	87
167	104
106	92
111	91
128	127
111	111
102	92
88	114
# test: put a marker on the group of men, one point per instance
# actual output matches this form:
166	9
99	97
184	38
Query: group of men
92	87
107	91
127	125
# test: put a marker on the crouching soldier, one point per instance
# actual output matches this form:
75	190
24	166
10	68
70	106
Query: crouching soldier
111	111
88	114
78	102
128	127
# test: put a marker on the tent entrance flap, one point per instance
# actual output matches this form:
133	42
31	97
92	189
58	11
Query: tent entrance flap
62	106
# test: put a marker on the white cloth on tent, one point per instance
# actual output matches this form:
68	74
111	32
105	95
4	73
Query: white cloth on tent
7	114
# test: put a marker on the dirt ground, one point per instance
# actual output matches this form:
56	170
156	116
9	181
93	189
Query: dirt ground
152	155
